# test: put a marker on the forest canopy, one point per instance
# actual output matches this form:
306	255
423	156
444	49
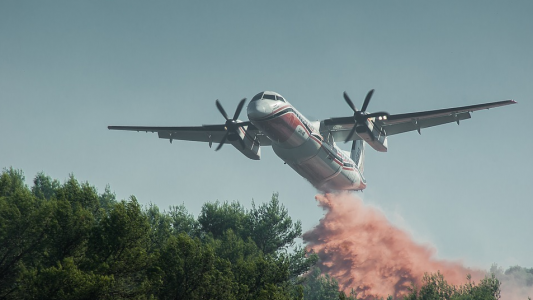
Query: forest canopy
67	241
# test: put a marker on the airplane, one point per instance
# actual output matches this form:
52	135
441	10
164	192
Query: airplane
309	147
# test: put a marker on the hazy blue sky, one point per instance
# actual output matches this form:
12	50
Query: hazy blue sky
68	69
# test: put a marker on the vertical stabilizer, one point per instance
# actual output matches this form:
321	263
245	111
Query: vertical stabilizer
358	154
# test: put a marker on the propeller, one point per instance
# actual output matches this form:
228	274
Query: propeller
360	116
231	125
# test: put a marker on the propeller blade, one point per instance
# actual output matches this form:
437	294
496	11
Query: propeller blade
221	110
239	108
349	137
223	141
367	99
377	114
349	101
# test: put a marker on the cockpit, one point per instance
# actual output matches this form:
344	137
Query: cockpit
269	96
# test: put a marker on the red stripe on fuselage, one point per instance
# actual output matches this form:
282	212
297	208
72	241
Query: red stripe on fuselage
282	128
279	109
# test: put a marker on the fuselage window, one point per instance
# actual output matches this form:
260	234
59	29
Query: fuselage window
271	97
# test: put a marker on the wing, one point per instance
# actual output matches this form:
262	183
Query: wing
399	123
204	133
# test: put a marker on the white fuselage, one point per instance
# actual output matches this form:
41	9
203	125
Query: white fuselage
297	142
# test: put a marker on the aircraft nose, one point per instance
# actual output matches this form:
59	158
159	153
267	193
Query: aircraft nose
258	109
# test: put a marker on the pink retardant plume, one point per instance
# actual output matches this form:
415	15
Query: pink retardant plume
359	247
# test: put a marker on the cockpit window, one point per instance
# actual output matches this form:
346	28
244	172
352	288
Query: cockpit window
262	95
257	97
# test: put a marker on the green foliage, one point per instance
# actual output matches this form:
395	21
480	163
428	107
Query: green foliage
44	187
57	242
321	286
160	227
107	200
216	218
514	276
64	281
271	227
118	247
193	271
12	181
256	244
66	241
25	223
435	287
183	221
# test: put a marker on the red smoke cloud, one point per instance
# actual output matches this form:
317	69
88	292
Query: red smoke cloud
359	247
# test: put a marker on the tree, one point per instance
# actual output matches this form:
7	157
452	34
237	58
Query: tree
182	221
44	187
274	232
107	199
216	218
320	286
257	243
435	287
63	281
12	181
271	227
66	241
24	225
160	227
191	270
252	270
118	247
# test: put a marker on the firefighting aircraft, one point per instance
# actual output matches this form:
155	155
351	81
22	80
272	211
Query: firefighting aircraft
309	147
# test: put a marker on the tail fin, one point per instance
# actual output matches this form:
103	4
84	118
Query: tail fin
358	154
